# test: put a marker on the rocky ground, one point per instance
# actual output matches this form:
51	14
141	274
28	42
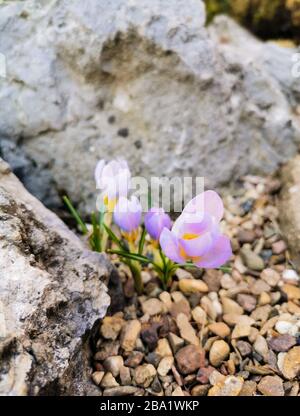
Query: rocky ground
213	333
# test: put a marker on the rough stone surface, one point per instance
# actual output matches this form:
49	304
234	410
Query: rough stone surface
282	343
289	206
140	78
271	386
291	363
230	386
51	294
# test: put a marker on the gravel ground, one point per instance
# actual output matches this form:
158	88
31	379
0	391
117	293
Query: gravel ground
212	333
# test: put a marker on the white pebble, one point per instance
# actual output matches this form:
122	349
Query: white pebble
290	276
213	296
284	327
280	359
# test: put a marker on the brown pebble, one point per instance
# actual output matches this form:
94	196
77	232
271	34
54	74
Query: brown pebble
291	363
247	302
220	329
212	278
271	386
189	359
134	359
282	343
246	236
279	247
218	353
248	389
204	374
244	348
200	390
182	306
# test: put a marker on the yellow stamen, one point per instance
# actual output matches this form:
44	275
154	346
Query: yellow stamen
109	203
188	236
132	236
188	258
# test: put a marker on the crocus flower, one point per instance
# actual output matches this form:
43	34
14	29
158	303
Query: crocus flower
195	235
113	179
128	215
155	221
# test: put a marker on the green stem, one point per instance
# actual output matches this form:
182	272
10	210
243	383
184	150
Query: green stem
137	277
107	220
76	215
95	238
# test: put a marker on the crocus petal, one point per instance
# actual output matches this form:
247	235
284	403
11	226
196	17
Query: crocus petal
197	247
118	185
155	221
128	214
113	178
208	202
188	223
170	247
98	172
218	255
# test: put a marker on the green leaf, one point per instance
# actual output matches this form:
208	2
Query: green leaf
163	257
75	215
114	238
131	256
225	269
101	217
142	241
96	236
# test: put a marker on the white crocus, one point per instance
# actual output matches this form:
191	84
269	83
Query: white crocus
113	179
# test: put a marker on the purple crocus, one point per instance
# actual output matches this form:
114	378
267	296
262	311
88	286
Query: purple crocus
195	235
155	221
128	214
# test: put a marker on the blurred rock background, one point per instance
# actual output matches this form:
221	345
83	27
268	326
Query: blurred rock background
269	19
146	81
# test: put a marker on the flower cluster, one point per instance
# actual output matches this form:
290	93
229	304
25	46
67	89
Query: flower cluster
194	239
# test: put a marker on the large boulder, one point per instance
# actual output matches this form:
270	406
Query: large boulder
135	78
52	292
289	207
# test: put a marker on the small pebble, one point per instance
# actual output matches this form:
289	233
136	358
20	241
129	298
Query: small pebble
175	342
218	353
186	330
97	377
252	260
144	375
189	286
130	334
271	386
113	364
165	366
282	343
230	386
189	359
152	307
108	380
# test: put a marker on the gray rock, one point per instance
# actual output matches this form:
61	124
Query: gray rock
141	79
37	179
242	48
51	294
